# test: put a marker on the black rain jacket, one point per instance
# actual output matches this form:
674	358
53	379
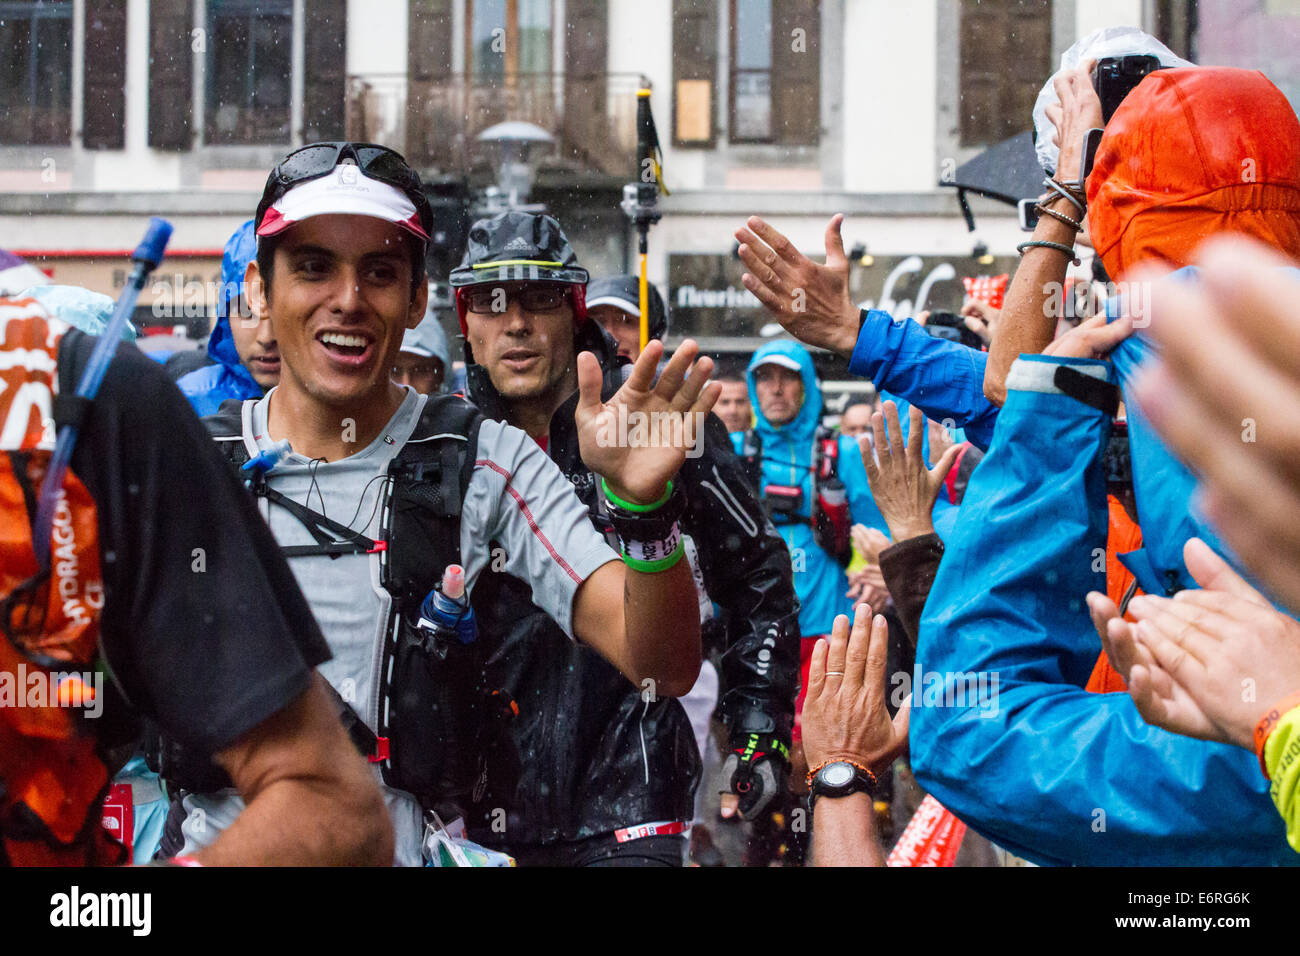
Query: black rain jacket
587	754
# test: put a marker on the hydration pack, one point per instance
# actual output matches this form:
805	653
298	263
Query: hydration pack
55	765
832	520
437	716
829	512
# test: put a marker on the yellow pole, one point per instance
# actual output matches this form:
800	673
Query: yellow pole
645	161
645	306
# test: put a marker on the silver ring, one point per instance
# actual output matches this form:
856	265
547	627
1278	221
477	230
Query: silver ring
835	673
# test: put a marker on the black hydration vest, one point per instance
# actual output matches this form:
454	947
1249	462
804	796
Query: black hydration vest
829	512
437	718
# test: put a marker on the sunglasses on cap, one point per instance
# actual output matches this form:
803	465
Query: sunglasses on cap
320	159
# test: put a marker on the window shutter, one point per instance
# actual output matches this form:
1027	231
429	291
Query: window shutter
171	73
586	132
324	86
1006	50
435	120
103	108
429	39
796	72
695	72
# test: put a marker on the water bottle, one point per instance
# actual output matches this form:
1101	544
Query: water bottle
833	523
436	698
447	608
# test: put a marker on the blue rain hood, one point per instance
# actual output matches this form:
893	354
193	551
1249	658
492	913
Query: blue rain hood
804	425
207	387
819	580
241	249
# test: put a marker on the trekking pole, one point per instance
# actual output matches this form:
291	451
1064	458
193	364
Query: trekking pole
146	257
641	199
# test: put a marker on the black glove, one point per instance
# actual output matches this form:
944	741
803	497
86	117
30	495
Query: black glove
755	770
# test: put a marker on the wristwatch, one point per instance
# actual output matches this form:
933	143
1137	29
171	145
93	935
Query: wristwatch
839	778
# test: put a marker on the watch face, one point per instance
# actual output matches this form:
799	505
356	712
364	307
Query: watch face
837	774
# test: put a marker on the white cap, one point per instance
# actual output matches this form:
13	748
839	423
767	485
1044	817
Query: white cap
784	361
346	191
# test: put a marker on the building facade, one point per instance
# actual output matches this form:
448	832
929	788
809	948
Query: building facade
115	110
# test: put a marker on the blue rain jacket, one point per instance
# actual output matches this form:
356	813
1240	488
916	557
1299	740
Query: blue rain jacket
819	579
944	379
1035	762
206	388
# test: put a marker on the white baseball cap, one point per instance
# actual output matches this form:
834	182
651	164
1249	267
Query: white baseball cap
345	191
784	361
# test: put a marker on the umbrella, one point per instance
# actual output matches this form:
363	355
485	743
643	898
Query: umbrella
1007	172
17	274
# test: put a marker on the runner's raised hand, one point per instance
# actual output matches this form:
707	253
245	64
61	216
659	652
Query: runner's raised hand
811	301
639	439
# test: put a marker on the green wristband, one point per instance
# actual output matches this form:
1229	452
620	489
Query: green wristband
654	567
629	506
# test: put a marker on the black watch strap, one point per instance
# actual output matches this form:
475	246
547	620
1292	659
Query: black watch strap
859	780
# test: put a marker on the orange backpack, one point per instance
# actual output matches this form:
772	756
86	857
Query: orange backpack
52	776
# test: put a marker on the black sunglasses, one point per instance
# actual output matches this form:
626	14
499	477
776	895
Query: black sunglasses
319	159
485	301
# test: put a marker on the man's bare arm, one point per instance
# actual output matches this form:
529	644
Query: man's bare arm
311	799
646	625
1027	326
844	832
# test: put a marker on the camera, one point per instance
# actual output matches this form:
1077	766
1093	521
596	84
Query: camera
951	326
1115	77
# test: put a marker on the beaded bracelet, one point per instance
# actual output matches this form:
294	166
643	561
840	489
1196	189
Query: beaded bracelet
1044	244
826	763
1060	217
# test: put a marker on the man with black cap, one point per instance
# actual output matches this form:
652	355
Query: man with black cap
387	501
614	303
608	769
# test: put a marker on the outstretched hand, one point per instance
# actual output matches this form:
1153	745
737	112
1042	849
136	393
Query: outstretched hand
811	301
1207	663
903	487
1078	111
869	542
1159	699
639	439
981	318
844	714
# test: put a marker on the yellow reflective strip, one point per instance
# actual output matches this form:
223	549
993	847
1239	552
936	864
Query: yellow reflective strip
517	262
